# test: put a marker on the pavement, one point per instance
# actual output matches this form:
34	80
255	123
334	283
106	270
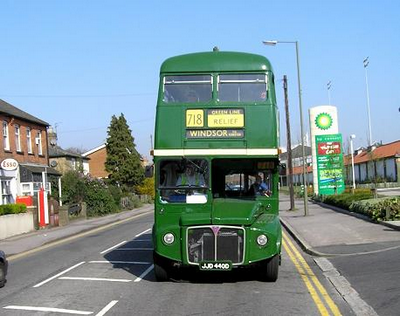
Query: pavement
26	242
324	226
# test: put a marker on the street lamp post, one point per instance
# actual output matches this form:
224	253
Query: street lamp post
352	160
273	43
366	63
329	85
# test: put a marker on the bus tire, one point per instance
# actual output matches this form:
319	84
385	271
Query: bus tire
2	274
270	269
160	271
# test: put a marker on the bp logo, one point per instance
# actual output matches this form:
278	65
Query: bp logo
323	121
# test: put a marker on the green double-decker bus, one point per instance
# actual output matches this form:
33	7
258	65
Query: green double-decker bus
216	165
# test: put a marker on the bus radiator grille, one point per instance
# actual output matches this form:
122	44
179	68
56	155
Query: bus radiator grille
215	243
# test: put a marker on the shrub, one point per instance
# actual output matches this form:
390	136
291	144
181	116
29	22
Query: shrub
344	200
73	187
362	202
98	198
379	209
12	209
130	202
115	192
147	188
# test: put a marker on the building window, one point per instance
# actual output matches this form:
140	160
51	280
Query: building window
6	141
17	138
27	189
29	140
6	197
39	142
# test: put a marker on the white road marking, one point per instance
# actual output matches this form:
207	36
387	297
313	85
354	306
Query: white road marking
121	262
111	248
49	309
130	249
106	308
95	279
59	274
142	233
138	279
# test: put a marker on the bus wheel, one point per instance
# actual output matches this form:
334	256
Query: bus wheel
160	271
270	269
2	275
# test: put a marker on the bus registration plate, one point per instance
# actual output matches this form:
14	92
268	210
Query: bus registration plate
215	266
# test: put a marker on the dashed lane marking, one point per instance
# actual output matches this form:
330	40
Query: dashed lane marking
59	274
120	262
48	309
133	249
106	308
74	237
95	279
143	232
138	279
113	247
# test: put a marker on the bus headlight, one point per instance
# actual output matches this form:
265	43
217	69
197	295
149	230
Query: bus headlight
262	240
169	238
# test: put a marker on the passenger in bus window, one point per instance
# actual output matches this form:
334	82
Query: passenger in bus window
192	96
263	95
168	98
190	178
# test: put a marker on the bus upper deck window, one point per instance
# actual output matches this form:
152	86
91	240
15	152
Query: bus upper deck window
242	88
187	89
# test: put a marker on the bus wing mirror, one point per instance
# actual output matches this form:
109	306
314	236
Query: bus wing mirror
148	172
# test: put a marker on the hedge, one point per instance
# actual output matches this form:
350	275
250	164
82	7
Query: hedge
12	209
378	209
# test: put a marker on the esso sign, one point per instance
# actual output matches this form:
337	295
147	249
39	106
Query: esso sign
9	164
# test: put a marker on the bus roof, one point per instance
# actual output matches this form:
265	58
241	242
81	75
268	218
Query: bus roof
216	61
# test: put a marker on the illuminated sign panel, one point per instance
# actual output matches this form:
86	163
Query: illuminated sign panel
220	123
329	164
225	118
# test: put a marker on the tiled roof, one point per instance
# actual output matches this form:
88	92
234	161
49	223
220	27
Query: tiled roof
88	153
297	152
56	152
383	151
299	169
8	109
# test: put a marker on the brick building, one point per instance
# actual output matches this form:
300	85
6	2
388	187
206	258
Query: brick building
96	159
63	160
23	154
378	163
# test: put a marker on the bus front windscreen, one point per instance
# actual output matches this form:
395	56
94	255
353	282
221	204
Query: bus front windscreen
183	181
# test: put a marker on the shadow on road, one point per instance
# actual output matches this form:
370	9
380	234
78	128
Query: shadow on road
136	257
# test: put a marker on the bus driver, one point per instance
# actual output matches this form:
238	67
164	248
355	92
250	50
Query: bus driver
190	178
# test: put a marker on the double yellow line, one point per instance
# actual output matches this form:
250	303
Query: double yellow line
318	293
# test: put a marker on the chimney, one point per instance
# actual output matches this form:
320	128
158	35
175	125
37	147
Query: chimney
52	137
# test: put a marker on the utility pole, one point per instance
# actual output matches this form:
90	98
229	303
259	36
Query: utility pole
288	146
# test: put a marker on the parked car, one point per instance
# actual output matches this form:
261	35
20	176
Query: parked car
3	268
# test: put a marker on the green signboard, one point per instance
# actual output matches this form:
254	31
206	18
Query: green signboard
329	164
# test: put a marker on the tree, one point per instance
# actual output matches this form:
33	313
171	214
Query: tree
123	161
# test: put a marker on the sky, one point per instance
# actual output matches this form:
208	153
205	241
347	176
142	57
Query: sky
75	64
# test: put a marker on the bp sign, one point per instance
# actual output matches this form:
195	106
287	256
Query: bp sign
329	158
